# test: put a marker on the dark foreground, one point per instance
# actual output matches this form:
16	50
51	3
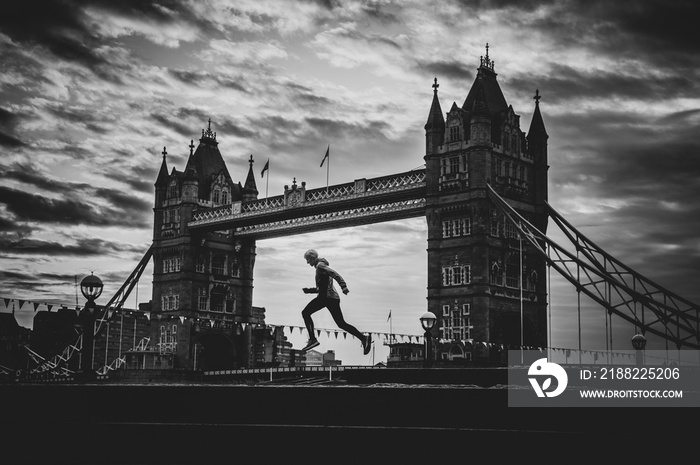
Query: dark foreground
321	423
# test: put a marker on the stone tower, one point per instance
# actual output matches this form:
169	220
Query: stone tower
207	278
475	260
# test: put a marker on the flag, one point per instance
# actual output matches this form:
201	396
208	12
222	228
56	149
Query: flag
265	168
326	156
389	317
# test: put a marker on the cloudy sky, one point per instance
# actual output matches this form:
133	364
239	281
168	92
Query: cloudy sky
91	92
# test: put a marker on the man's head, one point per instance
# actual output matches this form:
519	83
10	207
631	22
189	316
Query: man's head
311	257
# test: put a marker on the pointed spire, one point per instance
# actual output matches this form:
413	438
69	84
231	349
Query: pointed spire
436	121
208	136
537	124
163	173
486	61
250	188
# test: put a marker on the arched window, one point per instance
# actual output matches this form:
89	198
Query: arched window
224	197
496	274
216	197
532	281
515	143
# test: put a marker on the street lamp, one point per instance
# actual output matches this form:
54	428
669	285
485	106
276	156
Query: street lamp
91	287
639	342
427	321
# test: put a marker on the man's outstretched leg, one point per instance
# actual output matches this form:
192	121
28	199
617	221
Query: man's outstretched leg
311	308
337	314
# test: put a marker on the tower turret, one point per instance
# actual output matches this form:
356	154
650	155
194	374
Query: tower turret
250	190
537	149
161	183
435	126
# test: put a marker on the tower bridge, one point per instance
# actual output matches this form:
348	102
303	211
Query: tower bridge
483	192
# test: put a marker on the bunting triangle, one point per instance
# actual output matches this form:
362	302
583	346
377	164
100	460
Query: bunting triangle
36	305
7	302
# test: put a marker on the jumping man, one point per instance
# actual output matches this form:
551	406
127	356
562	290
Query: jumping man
329	298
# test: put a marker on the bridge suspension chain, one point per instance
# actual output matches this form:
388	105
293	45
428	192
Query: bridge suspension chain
672	317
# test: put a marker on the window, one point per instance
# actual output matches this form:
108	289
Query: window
216	197
202	299
230	304
171	264
496	274
532	281
495	225
456	227
170	302
456	275
510	231
171	216
515	143
455	133
172	191
224	197
217	302
218	264
456	322
513	272
454	164
199	266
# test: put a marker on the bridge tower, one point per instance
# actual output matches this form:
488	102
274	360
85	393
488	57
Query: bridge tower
475	258
205	277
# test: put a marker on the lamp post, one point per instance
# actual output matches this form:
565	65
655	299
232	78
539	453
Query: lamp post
91	288
639	342
427	321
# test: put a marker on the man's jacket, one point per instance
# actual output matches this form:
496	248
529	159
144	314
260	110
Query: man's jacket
324	280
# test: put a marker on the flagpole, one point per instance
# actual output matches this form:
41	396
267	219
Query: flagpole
267	185
391	330
328	167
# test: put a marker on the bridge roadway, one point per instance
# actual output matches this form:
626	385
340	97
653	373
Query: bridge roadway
362	201
356	421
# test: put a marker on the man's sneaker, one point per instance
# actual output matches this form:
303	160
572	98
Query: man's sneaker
311	344
367	344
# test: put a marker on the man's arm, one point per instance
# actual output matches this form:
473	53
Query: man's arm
335	275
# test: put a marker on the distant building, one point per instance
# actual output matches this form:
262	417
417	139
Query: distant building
314	358
13	337
329	359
